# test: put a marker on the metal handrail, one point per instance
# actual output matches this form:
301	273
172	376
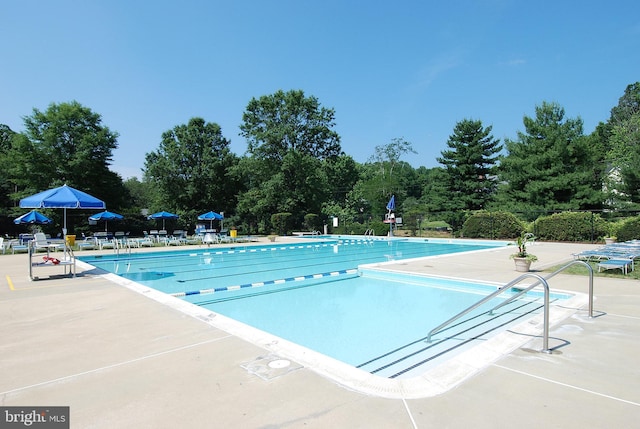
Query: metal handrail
523	291
540	280
493	295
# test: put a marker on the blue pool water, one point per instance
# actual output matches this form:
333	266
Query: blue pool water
195	269
312	293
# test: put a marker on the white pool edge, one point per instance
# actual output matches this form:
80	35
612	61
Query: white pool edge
432	382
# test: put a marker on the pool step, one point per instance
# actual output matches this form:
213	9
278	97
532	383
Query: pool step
414	358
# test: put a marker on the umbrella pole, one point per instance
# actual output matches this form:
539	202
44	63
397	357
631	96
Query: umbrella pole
64	231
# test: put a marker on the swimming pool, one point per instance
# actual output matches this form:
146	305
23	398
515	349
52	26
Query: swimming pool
316	302
218	268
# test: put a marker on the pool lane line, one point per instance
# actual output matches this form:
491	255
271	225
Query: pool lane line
264	283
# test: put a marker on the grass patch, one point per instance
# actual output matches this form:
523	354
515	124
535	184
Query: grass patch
582	270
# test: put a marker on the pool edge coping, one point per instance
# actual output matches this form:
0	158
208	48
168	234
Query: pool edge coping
435	381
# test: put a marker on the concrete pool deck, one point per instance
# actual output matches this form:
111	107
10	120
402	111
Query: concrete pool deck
120	359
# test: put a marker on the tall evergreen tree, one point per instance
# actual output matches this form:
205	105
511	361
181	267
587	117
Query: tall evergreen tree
549	167
470	166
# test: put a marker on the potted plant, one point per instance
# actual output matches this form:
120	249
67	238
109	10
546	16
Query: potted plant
522	258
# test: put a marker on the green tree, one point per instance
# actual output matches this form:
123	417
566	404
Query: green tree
385	174
191	169
6	138
470	166
342	172
275	124
624	145
434	196
549	166
292	148
67	143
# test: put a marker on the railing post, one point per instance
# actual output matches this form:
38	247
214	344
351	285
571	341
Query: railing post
545	339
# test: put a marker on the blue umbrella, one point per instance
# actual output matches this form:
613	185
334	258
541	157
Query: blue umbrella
32	217
210	216
163	215
391	205
105	216
64	197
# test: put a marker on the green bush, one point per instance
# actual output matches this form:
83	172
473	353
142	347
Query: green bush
379	227
629	229
495	225
570	226
280	222
312	222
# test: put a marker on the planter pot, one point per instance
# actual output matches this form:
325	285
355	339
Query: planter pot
522	264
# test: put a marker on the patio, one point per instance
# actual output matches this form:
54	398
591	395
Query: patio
120	359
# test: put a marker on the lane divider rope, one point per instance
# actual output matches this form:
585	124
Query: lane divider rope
265	283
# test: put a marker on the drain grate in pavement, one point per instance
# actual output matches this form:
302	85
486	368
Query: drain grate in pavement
270	366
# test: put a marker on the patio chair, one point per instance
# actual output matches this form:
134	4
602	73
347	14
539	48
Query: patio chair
40	242
175	241
89	243
16	246
145	242
108	244
210	238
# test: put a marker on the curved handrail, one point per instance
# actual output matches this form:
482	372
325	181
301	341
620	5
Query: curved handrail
523	291
541	280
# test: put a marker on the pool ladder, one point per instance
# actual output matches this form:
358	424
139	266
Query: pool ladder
117	245
507	287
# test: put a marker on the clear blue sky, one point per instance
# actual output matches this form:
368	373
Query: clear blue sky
409	69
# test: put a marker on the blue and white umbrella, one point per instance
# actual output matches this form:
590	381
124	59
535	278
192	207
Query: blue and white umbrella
105	216
32	217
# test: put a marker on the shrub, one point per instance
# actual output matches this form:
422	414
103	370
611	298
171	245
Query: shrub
629	229
280	222
497	225
570	226
312	222
379	227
